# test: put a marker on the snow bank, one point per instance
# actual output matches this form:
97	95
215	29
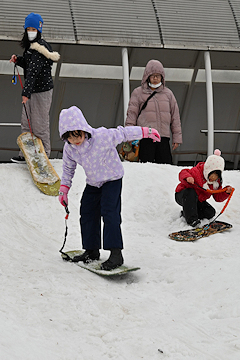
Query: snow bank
184	300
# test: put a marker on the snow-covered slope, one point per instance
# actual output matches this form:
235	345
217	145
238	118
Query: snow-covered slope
184	300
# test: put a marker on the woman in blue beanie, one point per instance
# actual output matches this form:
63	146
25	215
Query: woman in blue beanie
36	61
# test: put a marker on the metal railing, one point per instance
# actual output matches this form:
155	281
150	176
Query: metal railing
222	131
10	124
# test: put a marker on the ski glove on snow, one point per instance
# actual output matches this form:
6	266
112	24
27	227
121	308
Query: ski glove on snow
151	133
63	191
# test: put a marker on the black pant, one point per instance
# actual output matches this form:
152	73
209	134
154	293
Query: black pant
102	202
193	209
155	152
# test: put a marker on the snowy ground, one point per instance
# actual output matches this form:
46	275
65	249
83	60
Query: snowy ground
184	300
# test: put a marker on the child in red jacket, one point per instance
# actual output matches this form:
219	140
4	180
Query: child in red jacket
191	193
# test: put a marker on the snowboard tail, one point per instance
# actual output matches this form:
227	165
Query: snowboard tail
95	265
200	232
43	174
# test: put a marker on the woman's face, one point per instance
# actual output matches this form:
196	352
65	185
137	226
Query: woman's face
155	79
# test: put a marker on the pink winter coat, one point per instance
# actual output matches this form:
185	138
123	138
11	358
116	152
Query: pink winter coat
161	112
197	172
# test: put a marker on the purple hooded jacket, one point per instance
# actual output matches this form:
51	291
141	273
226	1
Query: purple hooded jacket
98	155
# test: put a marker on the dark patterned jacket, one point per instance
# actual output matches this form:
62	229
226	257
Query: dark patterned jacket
37	63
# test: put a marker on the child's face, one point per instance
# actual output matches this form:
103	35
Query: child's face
78	139
213	177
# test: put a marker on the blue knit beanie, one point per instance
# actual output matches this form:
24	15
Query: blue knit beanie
35	21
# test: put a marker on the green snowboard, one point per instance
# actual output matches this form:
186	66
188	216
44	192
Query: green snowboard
43	173
95	265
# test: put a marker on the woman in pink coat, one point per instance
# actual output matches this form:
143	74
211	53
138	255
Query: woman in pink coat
160	112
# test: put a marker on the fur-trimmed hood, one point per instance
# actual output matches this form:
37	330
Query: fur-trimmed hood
54	55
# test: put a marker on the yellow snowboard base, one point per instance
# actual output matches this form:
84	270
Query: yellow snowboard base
43	173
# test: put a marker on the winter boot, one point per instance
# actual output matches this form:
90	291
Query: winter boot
194	223
115	260
182	214
18	159
88	256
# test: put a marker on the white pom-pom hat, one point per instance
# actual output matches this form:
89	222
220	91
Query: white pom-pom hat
214	162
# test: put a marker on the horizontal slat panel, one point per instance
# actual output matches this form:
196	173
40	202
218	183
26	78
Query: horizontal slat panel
195	24
55	13
235	4
119	21
198	23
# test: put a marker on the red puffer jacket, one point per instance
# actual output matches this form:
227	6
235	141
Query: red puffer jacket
197	173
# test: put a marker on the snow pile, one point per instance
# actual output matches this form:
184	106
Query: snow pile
184	301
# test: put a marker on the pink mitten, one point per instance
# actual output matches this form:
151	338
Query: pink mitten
151	133
63	191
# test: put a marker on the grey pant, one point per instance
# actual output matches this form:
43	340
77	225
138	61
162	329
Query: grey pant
38	107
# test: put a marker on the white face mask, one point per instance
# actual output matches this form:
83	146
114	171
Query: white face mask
32	35
155	86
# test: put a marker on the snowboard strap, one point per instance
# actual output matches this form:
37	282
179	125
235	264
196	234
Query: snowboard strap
66	232
217	192
29	124
227	202
212	191
230	195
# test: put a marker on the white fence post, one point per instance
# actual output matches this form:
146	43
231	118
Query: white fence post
126	90
209	90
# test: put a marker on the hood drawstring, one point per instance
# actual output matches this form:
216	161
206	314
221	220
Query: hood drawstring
28	119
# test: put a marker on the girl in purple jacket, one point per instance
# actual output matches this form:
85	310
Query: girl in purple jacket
95	150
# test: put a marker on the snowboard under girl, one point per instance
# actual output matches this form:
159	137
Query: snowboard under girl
95	150
191	193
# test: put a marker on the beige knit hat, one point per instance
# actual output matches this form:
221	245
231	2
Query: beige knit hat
213	163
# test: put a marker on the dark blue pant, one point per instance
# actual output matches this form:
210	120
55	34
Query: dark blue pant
102	202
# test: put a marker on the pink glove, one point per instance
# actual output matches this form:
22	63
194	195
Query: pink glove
63	191
151	133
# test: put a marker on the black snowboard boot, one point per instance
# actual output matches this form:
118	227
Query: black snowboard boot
18	159
115	260
88	256
194	223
